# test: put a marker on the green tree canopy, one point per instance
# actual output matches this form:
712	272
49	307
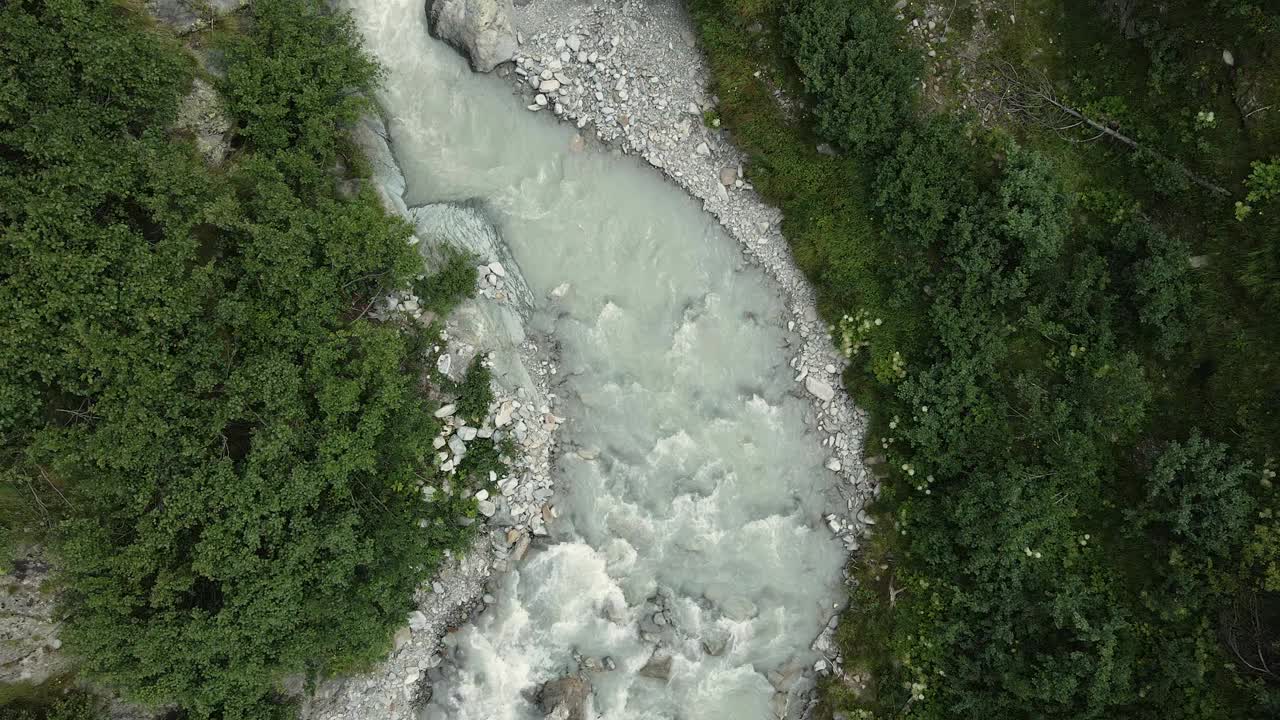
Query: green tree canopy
190	357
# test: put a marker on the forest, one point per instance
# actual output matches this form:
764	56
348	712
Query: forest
197	412
1043	233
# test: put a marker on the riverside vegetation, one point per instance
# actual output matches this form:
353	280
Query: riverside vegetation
1076	425
197	413
1067	343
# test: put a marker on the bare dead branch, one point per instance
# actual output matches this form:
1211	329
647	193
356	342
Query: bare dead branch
49	481
1031	95
43	509
1245	636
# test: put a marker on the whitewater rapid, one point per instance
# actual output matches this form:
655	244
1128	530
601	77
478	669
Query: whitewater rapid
690	486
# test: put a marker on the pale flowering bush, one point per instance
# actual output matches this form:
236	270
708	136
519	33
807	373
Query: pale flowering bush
854	333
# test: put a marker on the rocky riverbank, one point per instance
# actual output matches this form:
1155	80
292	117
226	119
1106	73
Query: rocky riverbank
491	326
629	74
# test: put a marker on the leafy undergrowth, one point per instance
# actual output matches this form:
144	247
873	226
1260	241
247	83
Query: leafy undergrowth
1075	424
57	698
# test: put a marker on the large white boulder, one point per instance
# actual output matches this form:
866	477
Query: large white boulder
482	29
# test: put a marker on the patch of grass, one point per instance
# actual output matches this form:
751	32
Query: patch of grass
55	699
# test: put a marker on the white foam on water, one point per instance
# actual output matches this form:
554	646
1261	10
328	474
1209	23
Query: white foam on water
707	491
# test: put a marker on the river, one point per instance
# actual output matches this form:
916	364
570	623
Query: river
694	530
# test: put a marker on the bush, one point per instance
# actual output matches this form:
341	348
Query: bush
474	393
1163	285
1197	498
454	281
296	78
928	180
851	59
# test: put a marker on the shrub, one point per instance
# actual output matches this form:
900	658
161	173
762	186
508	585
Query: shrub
474	393
1163	285
1198	497
851	60
453	282
922	187
296	78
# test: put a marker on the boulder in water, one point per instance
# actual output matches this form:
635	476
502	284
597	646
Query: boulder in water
565	698
715	644
482	29
658	667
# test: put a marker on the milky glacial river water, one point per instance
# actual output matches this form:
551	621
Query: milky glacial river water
706	494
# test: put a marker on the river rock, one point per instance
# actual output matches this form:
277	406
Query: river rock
403	635
565	698
728	176
783	678
521	547
503	418
481	29
658	667
446	410
203	115
715	645
820	389
458	447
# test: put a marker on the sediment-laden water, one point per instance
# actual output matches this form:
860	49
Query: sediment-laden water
690	496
